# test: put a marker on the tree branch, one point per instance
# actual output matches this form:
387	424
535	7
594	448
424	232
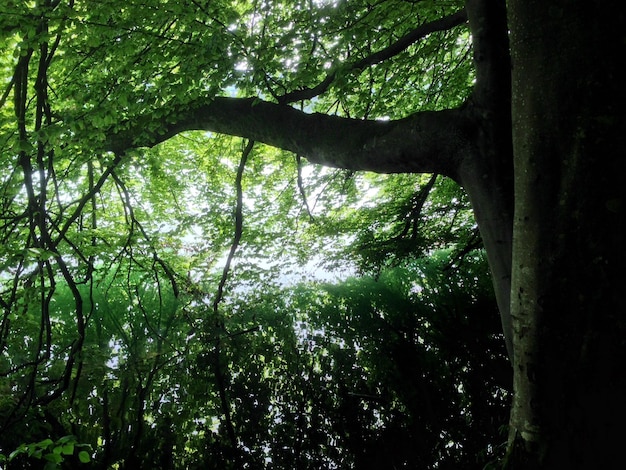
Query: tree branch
425	142
390	51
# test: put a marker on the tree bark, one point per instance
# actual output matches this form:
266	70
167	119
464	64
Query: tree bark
426	142
488	175
569	136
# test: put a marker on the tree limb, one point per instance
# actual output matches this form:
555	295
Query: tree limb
390	51
424	142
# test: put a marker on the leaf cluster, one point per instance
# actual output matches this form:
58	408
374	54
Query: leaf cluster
54	453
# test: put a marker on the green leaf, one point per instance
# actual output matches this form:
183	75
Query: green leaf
67	449
20	450
84	456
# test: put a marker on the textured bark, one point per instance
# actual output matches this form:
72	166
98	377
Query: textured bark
569	137
428	142
488	175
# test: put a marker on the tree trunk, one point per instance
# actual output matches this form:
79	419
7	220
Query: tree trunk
569	136
487	175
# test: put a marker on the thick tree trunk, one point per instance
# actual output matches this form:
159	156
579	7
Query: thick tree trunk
487	175
569	136
493	212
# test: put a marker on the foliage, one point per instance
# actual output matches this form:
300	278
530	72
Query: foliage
54	453
113	327
317	375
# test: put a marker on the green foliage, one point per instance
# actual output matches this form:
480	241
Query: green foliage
110	328
364	370
54	453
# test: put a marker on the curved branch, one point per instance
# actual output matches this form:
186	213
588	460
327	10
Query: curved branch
425	142
390	51
219	297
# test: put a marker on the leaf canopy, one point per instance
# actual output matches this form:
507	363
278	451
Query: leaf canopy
165	302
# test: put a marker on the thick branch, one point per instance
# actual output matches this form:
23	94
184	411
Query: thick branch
426	142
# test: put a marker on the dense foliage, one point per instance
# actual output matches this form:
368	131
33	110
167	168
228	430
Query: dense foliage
216	303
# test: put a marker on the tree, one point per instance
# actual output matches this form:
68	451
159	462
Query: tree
538	150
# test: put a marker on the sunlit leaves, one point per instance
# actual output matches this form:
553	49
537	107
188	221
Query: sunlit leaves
110	262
